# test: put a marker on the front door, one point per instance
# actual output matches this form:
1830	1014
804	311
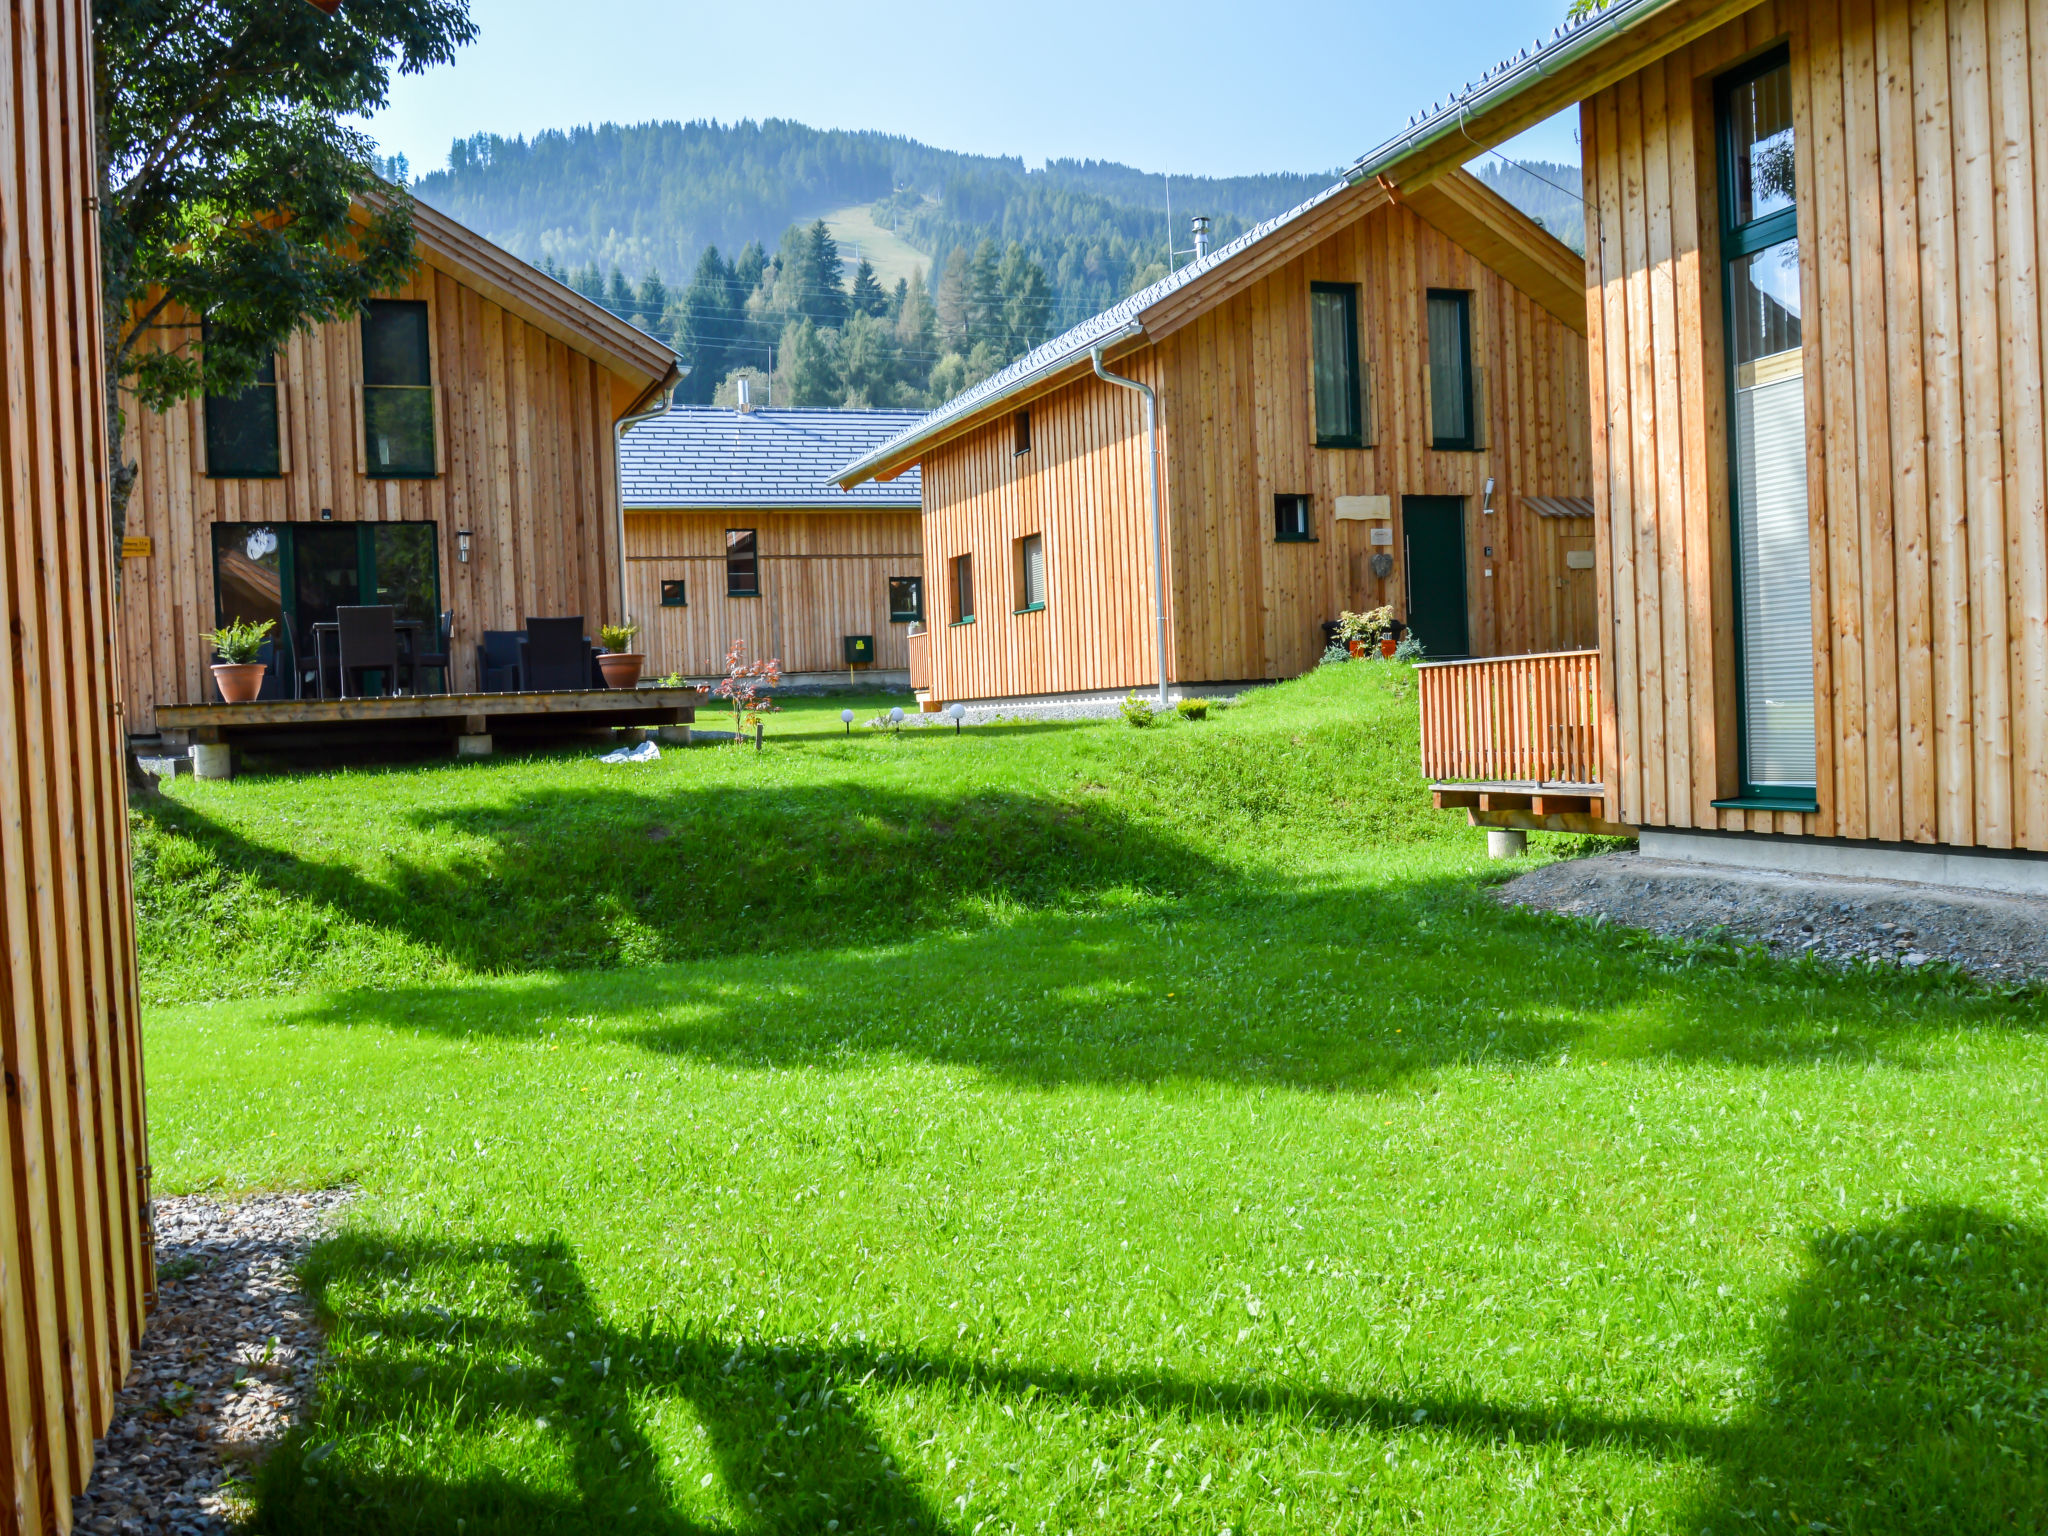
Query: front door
1433	530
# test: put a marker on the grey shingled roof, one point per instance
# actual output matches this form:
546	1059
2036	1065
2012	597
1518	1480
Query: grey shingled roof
1125	317
705	456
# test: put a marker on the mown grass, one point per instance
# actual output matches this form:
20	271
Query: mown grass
1231	1161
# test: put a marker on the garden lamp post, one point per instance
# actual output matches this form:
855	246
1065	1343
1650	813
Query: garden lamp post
959	713
846	718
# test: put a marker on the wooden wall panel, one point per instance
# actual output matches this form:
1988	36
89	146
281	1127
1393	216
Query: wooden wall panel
527	456
76	1269
1921	141
1236	426
823	576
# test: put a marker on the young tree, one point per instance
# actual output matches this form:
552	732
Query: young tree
917	322
230	188
749	267
805	372
650	305
1027	300
618	294
589	282
868	296
867	362
704	324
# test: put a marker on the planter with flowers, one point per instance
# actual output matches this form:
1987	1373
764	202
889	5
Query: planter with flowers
1375	630
238	675
620	665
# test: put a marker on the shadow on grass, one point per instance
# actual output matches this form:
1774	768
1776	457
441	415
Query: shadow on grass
476	1389
1337	991
590	878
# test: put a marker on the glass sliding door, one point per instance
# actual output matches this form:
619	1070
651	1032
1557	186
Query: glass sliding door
1773	545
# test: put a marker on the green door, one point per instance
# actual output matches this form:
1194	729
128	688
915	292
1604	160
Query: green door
1433	528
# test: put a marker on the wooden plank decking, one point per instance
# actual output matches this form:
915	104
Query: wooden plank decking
602	706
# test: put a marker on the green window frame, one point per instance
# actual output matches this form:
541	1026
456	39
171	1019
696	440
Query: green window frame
906	599
1334	365
243	440
742	563
1451	417
1769	534
398	391
1294	518
1030	574
675	594
961	572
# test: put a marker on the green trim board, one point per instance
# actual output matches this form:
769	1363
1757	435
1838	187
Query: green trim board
1766	803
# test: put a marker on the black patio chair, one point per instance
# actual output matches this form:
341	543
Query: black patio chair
554	657
368	642
497	660
274	678
440	658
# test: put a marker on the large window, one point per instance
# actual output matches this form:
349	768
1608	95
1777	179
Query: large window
242	441
1773	574
398	390
962	574
906	599
1450	370
1031	573
742	563
1339	381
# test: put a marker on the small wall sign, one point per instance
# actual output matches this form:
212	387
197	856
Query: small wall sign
1364	509
136	546
1578	559
1383	535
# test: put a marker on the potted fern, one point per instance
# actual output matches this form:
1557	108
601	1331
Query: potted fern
238	675
619	664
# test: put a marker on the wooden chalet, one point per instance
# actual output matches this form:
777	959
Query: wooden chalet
1374	399
1817	331
453	450
736	531
77	1269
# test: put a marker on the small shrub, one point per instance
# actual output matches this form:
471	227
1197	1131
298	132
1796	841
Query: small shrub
1368	629
241	642
1192	709
1410	648
617	637
1137	712
1335	656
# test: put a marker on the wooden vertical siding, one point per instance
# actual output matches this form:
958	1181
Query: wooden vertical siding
1236	426
527	452
823	576
1923	136
75	1261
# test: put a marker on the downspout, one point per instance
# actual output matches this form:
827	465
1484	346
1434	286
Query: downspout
619	429
1158	520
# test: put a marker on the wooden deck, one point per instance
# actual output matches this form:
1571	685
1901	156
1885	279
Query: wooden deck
452	714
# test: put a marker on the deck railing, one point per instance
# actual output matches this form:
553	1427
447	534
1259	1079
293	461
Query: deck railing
1512	719
920	662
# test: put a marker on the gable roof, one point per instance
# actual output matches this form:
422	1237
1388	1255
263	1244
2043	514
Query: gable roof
706	456
1500	234
553	307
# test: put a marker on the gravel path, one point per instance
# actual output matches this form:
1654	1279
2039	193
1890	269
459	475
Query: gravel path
1887	922
226	1360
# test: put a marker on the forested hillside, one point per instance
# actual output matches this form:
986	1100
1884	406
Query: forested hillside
1546	191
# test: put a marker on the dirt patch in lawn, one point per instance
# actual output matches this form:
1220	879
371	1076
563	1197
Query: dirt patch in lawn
1885	922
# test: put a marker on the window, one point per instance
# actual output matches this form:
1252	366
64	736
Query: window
1767	388
1031	573
1450	370
242	430
398	389
742	564
906	599
1022	422
963	589
1293	519
675	594
1339	385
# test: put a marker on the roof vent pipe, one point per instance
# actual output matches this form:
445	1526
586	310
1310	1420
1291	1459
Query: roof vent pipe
746	394
1200	224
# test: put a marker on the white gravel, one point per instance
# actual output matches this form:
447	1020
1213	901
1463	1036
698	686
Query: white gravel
226	1361
1885	922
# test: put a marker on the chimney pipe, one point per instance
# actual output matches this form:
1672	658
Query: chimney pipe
1200	224
746	395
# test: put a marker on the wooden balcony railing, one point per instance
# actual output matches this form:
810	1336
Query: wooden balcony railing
1528	720
920	660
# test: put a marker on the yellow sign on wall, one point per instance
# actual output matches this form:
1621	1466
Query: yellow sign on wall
136	547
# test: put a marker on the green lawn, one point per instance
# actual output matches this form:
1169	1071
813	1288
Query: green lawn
1073	1128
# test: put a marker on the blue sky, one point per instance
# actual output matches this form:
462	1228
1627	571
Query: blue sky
1194	87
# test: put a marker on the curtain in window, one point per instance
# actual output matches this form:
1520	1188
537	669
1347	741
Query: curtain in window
1450	392
1772	532
1034	572
1333	323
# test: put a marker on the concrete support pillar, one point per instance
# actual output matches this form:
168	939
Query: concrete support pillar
1506	843
675	735
213	760
476	745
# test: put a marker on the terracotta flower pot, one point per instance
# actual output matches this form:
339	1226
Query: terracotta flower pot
621	669
1388	645
1356	647
239	681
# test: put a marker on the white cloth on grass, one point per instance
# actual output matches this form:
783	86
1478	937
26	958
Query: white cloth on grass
645	752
